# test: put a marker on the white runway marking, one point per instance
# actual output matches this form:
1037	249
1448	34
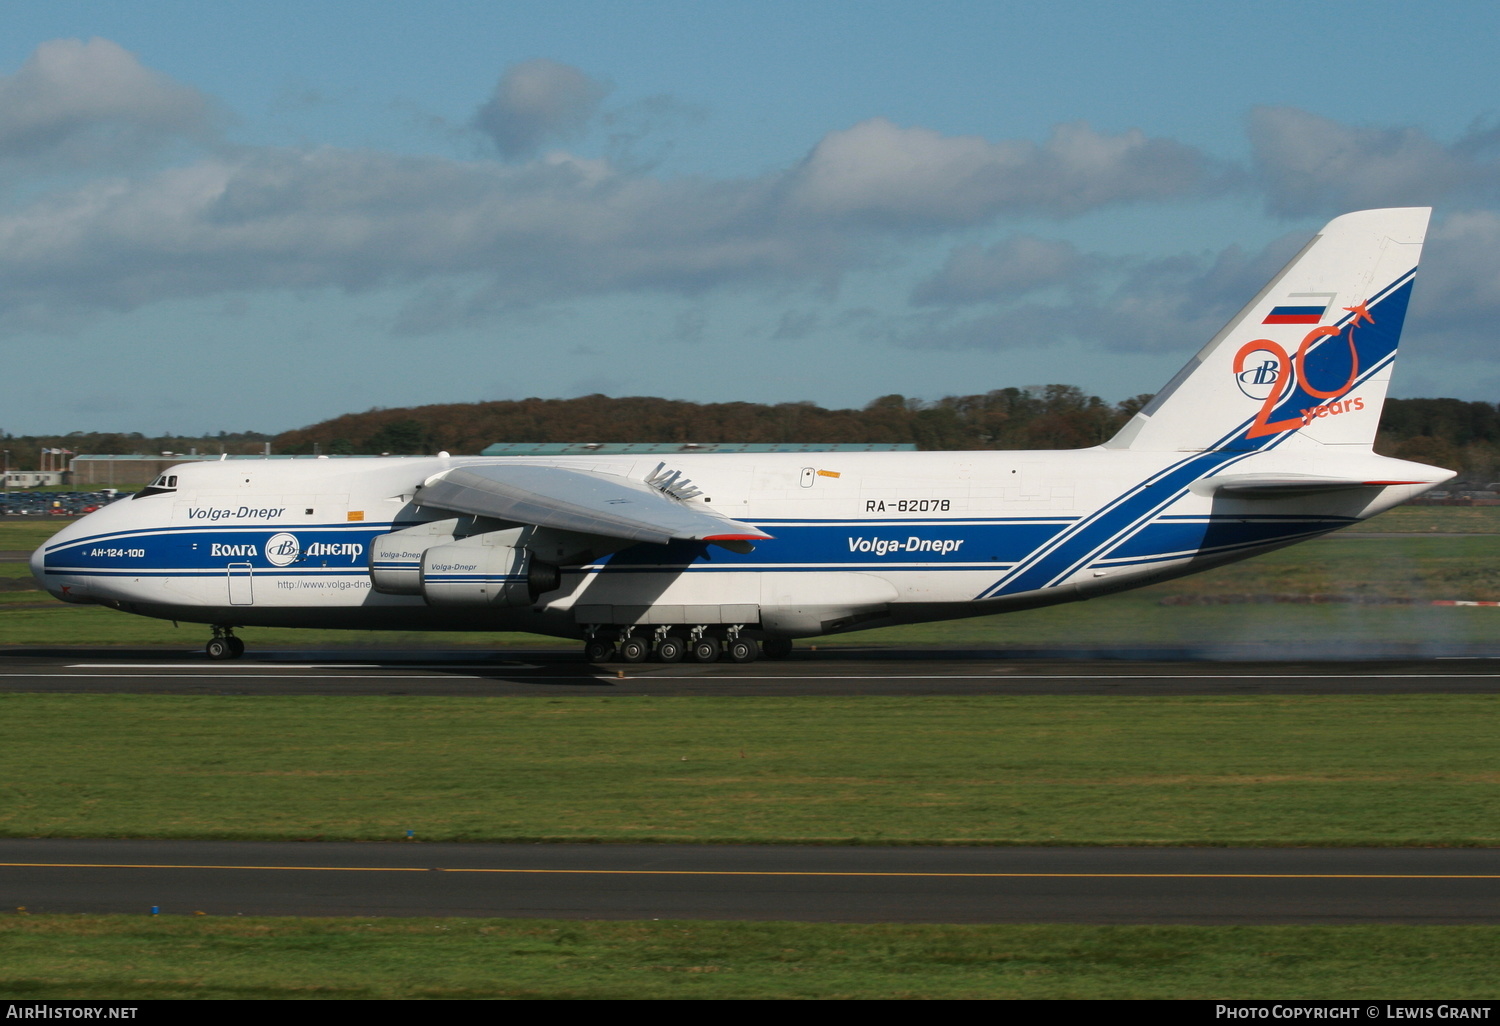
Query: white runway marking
274	667
259	676
242	666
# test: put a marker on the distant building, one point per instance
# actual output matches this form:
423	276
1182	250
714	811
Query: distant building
34	478
100	470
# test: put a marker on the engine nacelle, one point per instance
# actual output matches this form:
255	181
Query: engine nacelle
485	570
396	558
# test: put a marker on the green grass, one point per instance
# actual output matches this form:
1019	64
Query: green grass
1339	770
1414	567
1127	621
1139	620
137	958
35	618
1425	519
18	572
24	535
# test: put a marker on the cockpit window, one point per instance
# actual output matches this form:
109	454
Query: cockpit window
163	483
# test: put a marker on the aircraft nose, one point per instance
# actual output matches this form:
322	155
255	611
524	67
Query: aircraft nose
69	590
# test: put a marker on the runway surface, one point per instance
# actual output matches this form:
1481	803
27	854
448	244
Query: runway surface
814	884
845	671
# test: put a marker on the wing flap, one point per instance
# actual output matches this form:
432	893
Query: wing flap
581	501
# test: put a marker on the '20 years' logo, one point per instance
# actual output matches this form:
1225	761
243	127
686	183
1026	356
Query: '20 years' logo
1263	370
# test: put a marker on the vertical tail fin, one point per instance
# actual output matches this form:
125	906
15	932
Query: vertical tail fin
1310	357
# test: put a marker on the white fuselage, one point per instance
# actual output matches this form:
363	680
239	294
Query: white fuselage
859	539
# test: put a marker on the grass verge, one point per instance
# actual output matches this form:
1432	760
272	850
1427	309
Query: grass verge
1249	770
1126	621
135	958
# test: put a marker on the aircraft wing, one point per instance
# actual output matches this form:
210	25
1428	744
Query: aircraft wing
582	501
1282	485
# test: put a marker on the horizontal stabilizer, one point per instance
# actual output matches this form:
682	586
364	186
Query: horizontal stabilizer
1284	485
581	501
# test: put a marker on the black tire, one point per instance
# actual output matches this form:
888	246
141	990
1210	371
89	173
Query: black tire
237	647
219	648
776	648
596	650
742	650
706	649
671	649
634	650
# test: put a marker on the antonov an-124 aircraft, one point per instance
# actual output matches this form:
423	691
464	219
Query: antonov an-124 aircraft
1262	440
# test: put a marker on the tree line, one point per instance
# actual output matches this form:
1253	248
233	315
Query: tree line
1464	436
1049	417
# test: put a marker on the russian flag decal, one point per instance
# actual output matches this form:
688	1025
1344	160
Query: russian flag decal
1301	308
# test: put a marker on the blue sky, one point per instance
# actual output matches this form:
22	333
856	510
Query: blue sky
222	216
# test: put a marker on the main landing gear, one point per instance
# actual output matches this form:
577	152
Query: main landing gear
672	644
224	645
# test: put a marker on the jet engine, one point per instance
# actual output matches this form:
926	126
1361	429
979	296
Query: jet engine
485	570
491	568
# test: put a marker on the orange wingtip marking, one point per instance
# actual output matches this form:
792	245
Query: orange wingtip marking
737	537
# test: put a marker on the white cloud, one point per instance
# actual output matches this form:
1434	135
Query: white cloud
538	102
80	104
471	237
355	220
531	232
1310	164
1167	304
1456	300
882	175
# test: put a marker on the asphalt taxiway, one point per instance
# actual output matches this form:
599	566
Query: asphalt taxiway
811	884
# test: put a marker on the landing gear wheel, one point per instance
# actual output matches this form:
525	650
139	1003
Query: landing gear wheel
742	650
776	648
236	648
596	650
706	649
223	648
634	650
670	649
